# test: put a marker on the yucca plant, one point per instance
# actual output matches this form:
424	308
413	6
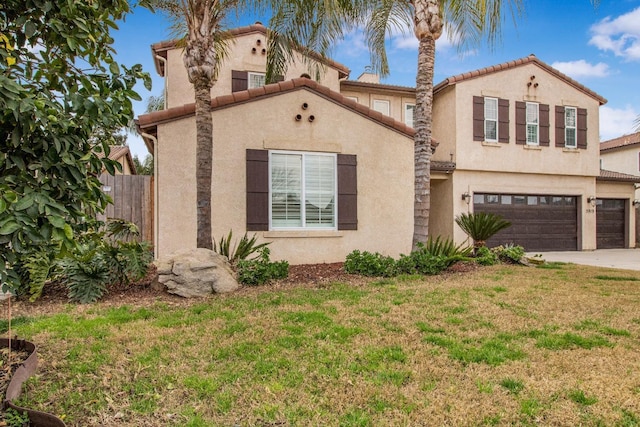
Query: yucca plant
481	226
446	247
241	250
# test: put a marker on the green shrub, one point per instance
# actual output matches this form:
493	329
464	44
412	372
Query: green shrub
261	270
370	264
446	247
509	253
484	256
241	250
481	226
423	262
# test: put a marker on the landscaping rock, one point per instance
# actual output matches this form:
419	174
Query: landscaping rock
196	273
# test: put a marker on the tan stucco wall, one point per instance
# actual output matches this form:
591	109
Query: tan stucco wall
240	58
385	224
444	129
621	190
440	217
512	85
623	160
510	183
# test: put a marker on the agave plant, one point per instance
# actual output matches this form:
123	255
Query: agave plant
480	226
241	250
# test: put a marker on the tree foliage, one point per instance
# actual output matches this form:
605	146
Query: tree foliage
59	86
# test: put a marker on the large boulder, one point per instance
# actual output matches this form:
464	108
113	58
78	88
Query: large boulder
196	273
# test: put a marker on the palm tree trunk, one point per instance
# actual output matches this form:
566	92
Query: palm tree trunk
204	164
422	141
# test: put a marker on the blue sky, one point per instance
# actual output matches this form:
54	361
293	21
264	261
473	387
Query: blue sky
599	47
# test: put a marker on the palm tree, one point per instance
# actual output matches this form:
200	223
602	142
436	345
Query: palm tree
321	23
201	24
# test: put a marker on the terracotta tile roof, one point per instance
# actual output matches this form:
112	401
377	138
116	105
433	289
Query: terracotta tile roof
531	59
161	48
620	142
118	151
394	89
148	123
606	175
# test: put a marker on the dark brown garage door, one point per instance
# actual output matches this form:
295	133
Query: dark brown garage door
538	222
610	230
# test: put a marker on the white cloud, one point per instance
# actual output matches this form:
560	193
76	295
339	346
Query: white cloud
615	122
409	41
581	68
353	44
620	35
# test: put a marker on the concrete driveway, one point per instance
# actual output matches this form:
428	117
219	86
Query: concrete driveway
626	259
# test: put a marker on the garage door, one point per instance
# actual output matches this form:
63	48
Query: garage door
610	221
538	222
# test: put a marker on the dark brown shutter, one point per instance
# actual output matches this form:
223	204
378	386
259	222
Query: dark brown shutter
560	141
347	192
279	78
521	122
503	120
478	118
239	80
257	190
582	128
544	124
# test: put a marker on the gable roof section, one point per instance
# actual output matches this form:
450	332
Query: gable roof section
148	123
531	59
606	175
118	151
161	48
377	87
620	142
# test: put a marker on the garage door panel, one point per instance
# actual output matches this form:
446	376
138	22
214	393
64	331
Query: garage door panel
538	223
610	223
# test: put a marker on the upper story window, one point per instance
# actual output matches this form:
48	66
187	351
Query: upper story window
570	127
409	110
255	80
533	123
381	106
491	119
353	98
302	190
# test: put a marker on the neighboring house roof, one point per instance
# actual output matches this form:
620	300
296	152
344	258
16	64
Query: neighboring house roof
531	59
377	87
606	175
116	152
620	142
148	123
161	48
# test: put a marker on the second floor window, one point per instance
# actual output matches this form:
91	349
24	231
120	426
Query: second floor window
409	110
255	80
570	127
381	106
491	119
533	123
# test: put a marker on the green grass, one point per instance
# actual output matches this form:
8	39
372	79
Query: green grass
497	346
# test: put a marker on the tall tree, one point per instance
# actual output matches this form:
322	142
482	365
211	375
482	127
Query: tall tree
59	85
318	24
200	23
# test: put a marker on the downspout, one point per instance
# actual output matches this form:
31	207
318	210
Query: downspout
166	79
156	204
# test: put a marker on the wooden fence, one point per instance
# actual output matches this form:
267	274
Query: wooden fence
132	201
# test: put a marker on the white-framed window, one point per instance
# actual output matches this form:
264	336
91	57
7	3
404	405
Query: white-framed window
409	110
354	98
491	119
570	127
302	190
381	105
533	123
255	80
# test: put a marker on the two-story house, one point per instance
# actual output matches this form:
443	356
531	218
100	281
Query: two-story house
320	168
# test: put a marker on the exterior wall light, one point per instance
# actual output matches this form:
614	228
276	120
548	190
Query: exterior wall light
466	197
636	202
591	200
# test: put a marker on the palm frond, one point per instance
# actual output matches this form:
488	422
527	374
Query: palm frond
480	226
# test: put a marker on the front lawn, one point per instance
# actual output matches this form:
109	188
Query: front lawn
502	345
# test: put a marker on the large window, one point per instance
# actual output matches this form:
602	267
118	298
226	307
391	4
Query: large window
533	124
255	80
381	106
570	127
491	119
409	110
303	190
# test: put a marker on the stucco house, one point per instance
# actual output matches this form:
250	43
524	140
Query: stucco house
345	148
622	155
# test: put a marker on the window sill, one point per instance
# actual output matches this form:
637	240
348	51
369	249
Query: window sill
491	144
570	150
532	147
275	234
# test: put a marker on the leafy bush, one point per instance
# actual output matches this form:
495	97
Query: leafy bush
241	250
261	270
370	264
509	253
446	247
421	262
485	256
481	226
